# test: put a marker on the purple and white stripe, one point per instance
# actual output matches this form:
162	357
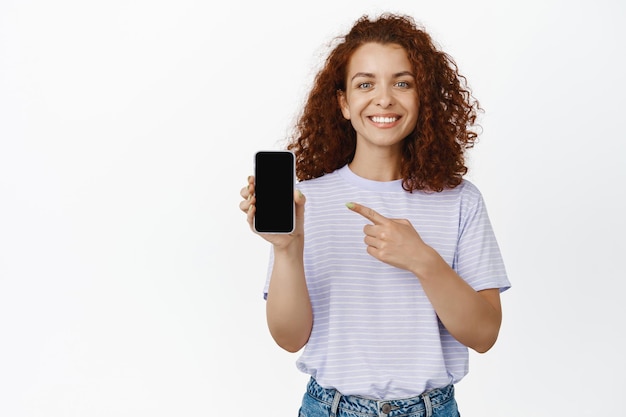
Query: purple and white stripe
375	333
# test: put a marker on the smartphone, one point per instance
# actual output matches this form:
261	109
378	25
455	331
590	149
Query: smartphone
274	173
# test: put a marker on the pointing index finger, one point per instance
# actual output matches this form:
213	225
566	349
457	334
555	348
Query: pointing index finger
367	212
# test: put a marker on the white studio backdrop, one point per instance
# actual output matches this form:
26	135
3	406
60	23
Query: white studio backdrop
130	284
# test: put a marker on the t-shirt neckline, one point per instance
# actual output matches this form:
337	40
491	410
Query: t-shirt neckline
346	173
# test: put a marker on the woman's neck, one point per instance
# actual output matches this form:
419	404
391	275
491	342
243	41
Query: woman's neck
377	167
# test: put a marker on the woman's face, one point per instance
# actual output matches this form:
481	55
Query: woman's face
381	96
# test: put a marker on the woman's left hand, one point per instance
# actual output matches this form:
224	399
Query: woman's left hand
472	317
393	241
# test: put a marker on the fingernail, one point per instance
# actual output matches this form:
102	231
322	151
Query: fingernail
300	193
350	205
249	178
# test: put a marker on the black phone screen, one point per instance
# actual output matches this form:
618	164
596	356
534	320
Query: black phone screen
274	187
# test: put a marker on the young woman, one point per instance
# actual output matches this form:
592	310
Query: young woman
393	271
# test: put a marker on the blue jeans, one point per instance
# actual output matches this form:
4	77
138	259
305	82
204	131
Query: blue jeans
321	402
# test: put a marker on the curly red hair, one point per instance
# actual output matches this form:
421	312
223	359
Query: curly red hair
433	154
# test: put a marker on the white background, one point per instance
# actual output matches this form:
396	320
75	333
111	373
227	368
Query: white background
130	284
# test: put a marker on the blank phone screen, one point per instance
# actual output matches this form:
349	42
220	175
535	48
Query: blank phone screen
274	187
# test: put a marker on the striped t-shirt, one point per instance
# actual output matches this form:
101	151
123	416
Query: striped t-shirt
375	333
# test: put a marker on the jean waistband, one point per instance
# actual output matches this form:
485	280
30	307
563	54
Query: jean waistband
390	408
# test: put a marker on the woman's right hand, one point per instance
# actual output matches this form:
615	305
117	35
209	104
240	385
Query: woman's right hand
278	240
289	312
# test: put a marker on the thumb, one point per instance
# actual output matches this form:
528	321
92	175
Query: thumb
299	199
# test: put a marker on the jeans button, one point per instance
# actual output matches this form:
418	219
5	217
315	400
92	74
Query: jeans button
386	408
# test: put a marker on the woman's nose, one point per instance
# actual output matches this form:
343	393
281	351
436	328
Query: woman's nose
384	98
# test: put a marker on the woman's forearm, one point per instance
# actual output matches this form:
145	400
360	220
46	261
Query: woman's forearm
472	317
289	312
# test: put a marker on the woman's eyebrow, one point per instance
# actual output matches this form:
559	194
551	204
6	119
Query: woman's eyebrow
403	73
363	74
370	75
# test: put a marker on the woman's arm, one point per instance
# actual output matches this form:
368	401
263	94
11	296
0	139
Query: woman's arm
472	317
288	309
288	306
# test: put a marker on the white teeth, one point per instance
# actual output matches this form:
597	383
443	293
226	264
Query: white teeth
384	119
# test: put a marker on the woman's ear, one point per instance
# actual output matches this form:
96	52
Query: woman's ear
343	104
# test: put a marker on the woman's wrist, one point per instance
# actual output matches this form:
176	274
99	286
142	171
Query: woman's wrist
428	264
294	247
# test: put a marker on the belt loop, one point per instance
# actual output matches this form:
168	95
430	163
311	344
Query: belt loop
428	405
335	405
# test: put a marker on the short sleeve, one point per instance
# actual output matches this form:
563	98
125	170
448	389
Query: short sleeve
478	259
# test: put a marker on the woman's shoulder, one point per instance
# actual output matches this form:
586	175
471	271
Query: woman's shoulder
469	196
468	188
466	194
323	180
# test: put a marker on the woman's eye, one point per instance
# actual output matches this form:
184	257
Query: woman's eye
403	84
365	85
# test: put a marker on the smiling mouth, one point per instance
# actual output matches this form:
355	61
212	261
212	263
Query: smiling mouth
383	120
